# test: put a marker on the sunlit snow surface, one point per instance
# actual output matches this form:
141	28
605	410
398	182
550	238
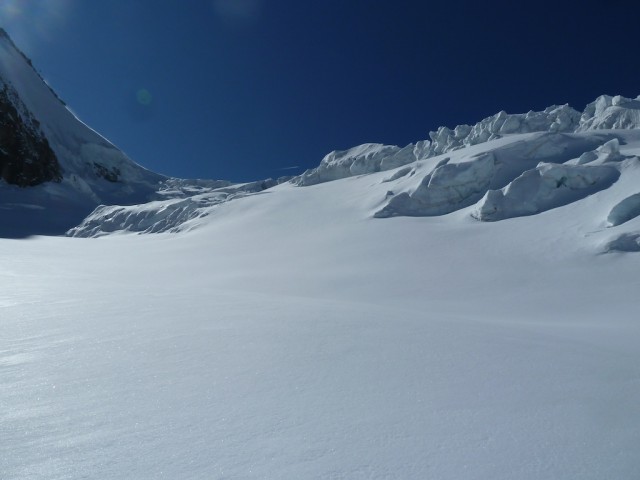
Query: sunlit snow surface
292	335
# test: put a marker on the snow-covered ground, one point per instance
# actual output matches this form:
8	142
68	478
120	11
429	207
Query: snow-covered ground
462	308
293	335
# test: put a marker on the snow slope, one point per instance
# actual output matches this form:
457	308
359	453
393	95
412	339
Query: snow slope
485	328
505	165
521	174
293	336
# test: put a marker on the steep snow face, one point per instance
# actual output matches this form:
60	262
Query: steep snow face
77	168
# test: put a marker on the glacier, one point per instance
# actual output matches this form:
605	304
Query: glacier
461	308
459	168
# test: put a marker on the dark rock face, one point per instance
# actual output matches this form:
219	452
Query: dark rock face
26	158
109	174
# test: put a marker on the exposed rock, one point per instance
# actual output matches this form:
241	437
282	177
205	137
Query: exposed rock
109	174
26	159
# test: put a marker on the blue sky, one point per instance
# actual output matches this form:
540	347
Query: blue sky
244	89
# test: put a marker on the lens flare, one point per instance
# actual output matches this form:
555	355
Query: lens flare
144	97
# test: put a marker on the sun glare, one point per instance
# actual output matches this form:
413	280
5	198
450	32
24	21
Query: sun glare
31	21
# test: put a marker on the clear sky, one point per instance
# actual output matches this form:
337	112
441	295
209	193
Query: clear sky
245	89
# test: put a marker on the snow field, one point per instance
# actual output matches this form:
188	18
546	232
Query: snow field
275	343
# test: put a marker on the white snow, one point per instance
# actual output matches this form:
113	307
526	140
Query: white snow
292	336
608	112
624	211
359	160
288	334
77	146
463	177
553	119
183	202
605	113
545	187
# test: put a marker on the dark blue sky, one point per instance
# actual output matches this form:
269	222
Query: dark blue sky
241	89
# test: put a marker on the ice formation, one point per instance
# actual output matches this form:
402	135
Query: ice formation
605	113
453	185
545	187
503	166
626	242
610	113
177	204
624	211
367	158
